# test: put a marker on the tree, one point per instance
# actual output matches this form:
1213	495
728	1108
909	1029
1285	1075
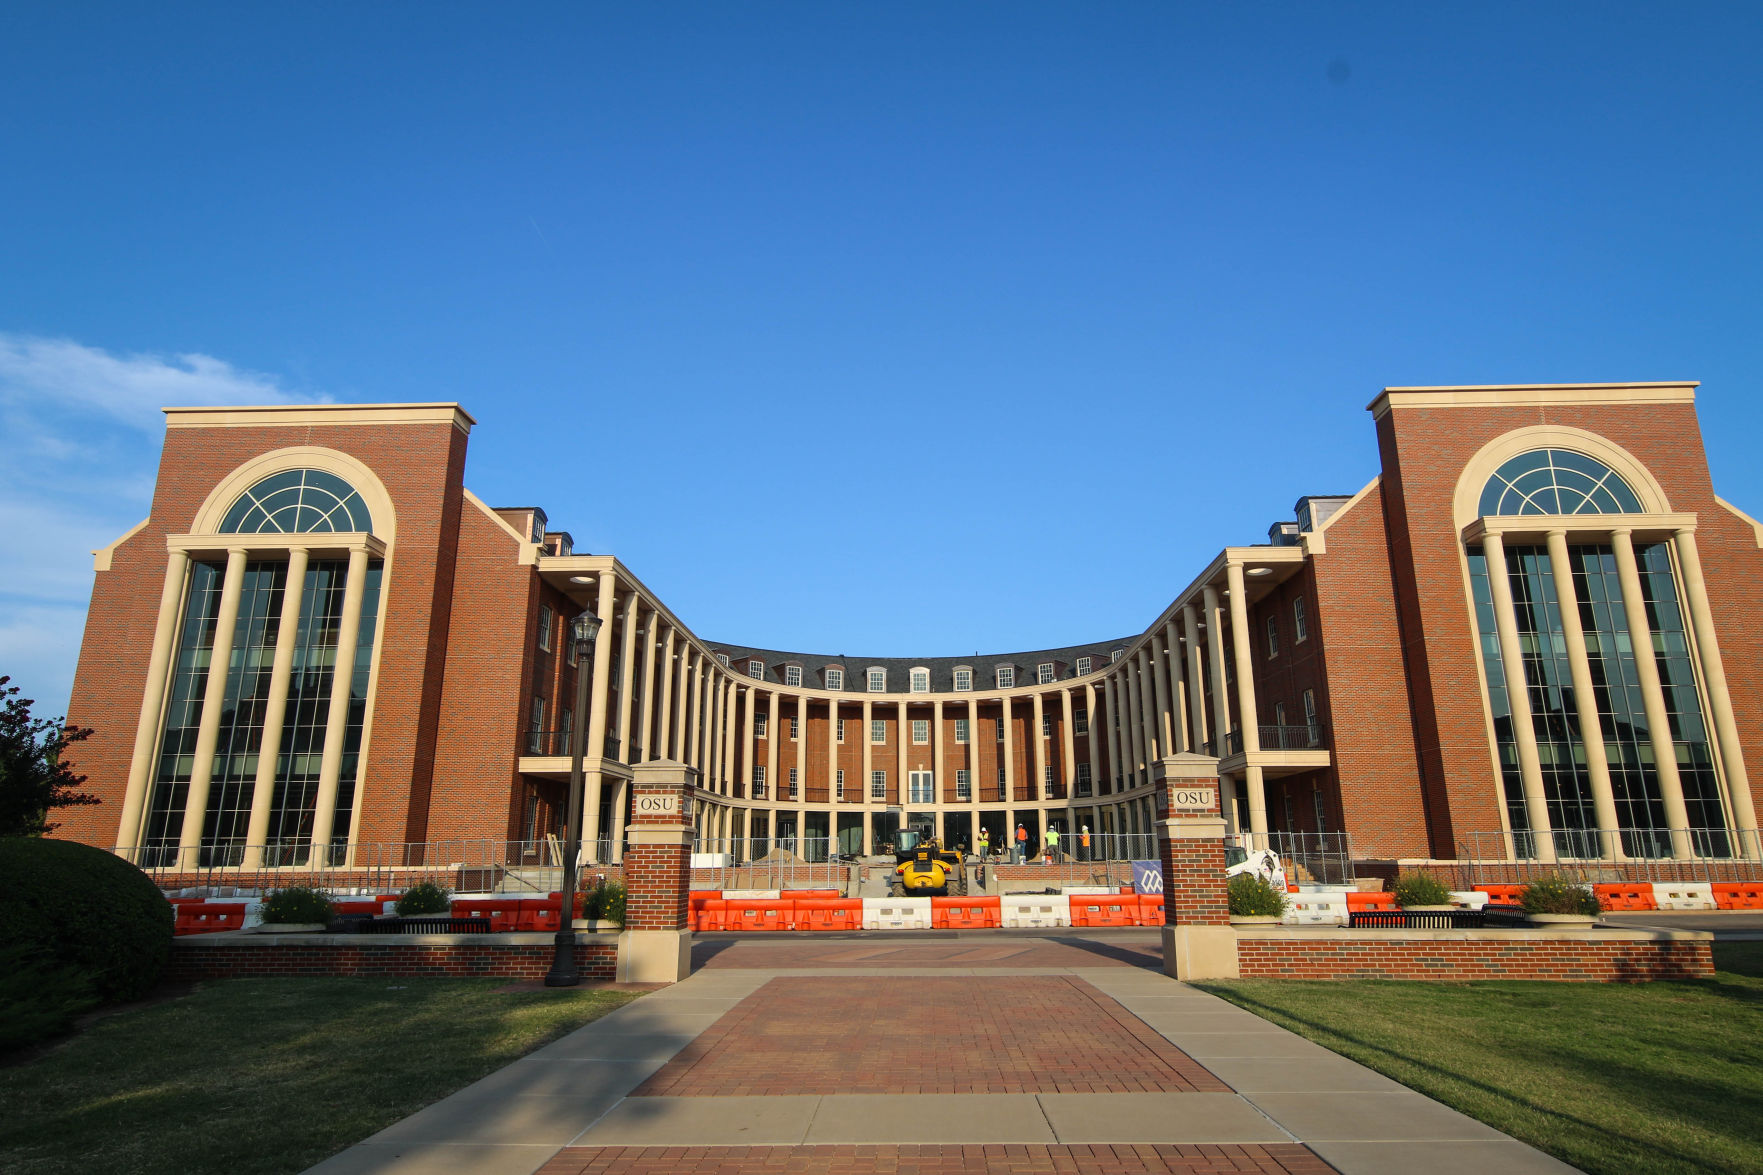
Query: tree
33	779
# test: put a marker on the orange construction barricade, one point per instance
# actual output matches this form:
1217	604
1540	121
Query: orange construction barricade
1738	895
1625	896
208	917
829	914
1104	909
1150	909
709	914
799	894
760	914
963	913
1370	901
1502	895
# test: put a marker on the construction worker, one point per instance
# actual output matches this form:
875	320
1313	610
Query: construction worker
1021	845
1083	844
1052	844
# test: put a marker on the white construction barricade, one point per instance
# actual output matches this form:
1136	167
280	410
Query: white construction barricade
1473	899
1087	890
1035	909
896	913
1684	895
1316	907
754	895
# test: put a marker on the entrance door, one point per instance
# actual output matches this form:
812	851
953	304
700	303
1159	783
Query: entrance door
921	787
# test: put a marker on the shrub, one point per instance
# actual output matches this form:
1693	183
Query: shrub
297	903
1252	895
39	997
1554	894
88	910
1420	889
425	897
605	900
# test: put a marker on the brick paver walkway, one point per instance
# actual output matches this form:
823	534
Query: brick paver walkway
928	1034
1117	1159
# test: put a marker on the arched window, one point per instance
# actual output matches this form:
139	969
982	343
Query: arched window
298	501
1557	481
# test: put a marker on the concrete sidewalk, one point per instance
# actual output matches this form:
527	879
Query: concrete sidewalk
971	1055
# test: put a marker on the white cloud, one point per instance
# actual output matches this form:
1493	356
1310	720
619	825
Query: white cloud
81	431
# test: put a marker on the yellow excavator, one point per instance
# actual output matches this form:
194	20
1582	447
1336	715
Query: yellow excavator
924	868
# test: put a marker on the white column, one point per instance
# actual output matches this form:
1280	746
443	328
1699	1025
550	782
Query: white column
682	672
1037	762
1585	698
337	718
1640	636
1196	679
601	687
1093	719
900	753
651	641
1165	729
152	719
1009	754
832	760
1135	720
664	735
1215	654
973	778
801	754
750	760
1178	721
868	767
1732	751
1241	639
275	707
1524	733
213	701
627	673
1069	745
936	748
1111	717
771	756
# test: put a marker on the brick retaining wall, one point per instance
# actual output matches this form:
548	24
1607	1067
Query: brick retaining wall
1574	957
429	956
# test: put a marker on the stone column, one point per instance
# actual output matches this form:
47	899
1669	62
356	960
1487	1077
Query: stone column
1111	717
1524	733
664	735
1242	640
1037	765
1190	623
1134	736
1068	744
1165	733
1009	754
220	661
749	761
649	645
1732	751
1198	942
1215	654
868	767
900	761
1585	698
832	762
773	707
973	760
627	673
275	708
147	729
656	946
337	719
1092	720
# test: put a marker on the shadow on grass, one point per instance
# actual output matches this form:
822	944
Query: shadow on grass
1371	1052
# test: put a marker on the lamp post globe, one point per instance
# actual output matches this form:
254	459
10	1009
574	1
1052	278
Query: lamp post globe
583	630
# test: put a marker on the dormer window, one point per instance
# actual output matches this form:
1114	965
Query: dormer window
920	680
756	669
1006	677
1114	656
878	680
835	679
723	657
1044	673
1083	665
963	679
792	675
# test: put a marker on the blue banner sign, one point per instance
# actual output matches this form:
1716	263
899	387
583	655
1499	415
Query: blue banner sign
1147	876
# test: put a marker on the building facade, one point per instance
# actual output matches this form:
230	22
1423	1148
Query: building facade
1533	634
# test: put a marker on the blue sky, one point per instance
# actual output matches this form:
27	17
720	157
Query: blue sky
847	326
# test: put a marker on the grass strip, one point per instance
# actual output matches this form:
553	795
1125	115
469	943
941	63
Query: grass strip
266	1076
1665	1078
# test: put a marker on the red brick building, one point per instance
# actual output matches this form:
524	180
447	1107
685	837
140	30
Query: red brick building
1415	665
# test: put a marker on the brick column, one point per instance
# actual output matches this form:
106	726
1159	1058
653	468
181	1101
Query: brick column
656	946
1198	942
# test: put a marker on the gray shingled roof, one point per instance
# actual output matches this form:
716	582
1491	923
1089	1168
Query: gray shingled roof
942	669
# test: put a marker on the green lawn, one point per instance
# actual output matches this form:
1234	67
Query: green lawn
1658	1078
255	1077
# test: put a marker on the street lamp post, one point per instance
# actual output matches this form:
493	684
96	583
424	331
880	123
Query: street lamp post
563	971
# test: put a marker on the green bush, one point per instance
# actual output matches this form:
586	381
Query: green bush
88	910
297	904
1555	894
39	997
1252	895
605	900
1420	889
425	897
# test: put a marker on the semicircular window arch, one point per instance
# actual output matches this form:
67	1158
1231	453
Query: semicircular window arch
298	501
1557	481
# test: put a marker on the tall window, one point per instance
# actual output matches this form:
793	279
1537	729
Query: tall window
536	740
1083	779
1300	623
1000	723
791	794
835	679
1001	778
794	733
960	730
758	779
1006	677
878	731
841	730
1080	721
878	785
963	680
1044	673
1272	636
792	675
761	725
545	615
839	786
963	784
878	681
1046	726
921	788
920	731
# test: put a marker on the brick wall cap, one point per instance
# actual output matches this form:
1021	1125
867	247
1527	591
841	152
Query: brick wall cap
1313	934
